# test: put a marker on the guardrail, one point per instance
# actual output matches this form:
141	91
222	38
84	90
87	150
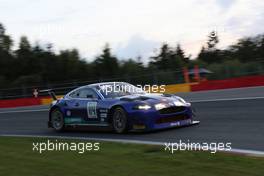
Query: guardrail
166	77
246	81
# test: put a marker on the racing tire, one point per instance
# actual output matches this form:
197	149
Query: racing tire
119	120
57	120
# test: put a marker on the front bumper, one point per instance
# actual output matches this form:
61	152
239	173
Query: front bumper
152	119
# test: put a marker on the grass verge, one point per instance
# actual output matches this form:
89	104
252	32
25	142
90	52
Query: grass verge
17	158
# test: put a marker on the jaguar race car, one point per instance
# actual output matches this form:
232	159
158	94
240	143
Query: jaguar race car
120	106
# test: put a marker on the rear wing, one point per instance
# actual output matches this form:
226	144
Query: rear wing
51	93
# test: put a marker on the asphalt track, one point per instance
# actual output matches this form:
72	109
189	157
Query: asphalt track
234	115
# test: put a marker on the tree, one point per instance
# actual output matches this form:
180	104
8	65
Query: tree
161	61
246	49
213	40
261	47
6	59
28	71
69	60
210	54
24	57
106	65
167	59
180	53
202	53
24	44
5	40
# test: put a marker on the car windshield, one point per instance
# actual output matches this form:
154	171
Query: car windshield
114	90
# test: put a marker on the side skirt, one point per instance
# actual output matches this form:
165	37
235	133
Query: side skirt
90	124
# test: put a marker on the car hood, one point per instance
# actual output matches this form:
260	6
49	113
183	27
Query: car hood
155	98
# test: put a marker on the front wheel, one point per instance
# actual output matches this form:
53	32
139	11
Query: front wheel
119	120
57	120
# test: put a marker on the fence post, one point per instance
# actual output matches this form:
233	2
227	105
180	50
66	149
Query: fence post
186	75
196	73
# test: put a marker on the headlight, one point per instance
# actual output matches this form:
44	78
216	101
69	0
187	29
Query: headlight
181	100
179	103
160	106
142	107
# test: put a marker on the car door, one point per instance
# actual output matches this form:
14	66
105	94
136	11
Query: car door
88	101
74	112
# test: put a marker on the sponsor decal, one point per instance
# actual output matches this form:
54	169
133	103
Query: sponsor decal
175	124
72	120
68	113
139	127
103	110
91	110
103	115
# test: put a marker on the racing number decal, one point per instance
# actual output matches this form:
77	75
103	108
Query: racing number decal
91	110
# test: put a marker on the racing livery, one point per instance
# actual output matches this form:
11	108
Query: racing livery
121	106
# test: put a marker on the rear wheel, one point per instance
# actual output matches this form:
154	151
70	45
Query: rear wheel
57	120
119	120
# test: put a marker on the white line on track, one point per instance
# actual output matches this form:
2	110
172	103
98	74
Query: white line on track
238	151
230	89
21	111
227	99
194	101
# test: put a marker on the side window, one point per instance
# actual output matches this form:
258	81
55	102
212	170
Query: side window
75	94
87	93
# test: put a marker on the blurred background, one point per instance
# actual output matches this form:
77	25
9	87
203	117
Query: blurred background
140	42
38	67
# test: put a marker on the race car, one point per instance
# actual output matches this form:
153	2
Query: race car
120	106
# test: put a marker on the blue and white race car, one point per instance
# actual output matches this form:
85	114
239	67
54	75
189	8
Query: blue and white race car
120	106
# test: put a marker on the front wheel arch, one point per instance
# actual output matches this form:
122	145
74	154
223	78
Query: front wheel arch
112	111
